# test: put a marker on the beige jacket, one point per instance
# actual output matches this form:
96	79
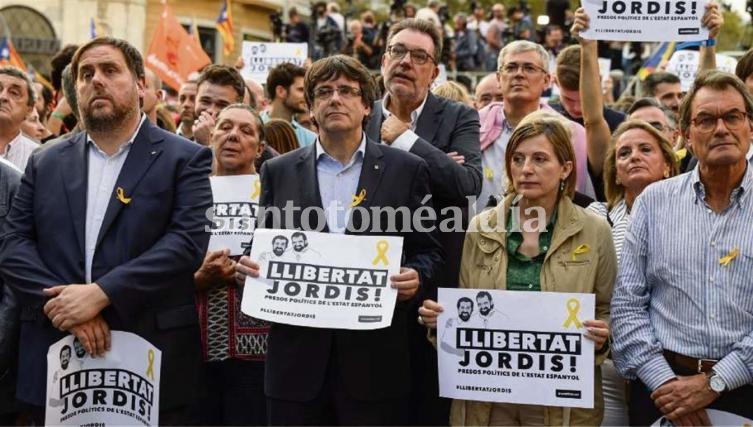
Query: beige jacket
484	266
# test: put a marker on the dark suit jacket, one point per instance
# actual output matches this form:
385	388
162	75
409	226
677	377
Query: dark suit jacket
445	126
146	253
371	365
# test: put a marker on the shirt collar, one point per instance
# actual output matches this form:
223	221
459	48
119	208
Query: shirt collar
414	115
745	187
128	143
12	141
321	152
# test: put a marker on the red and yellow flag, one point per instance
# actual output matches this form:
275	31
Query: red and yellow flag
225	28
173	54
9	56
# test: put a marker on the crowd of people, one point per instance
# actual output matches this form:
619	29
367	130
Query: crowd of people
104	194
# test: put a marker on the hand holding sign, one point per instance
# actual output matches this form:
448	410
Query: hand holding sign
429	312
94	335
712	19
406	283
217	268
246	267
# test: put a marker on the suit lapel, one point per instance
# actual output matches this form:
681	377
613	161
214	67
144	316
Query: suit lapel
143	152
371	175
75	176
428	123
307	177
374	124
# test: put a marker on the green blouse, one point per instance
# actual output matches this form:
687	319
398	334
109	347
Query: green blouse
524	273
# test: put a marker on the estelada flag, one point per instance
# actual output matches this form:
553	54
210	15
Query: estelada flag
9	55
225	28
173	54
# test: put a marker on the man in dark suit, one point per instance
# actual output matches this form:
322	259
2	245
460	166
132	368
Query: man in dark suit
106	232
446	135
331	376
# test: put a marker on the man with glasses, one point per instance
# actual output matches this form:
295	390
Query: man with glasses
523	77
681	310
446	135
317	376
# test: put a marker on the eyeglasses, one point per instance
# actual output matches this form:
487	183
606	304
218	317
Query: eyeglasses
345	92
528	69
419	56
732	119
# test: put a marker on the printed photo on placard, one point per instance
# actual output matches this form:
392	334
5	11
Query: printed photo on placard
493	347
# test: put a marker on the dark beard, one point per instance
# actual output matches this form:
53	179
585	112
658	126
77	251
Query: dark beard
101	123
485	311
278	252
464	316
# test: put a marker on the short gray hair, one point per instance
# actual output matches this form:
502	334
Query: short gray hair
519	46
18	73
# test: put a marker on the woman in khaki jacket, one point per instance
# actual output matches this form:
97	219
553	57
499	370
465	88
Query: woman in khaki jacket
540	173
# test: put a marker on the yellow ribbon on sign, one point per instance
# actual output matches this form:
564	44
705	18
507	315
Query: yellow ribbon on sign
488	173
726	260
381	248
357	199
150	368
582	249
257	190
573	307
120	194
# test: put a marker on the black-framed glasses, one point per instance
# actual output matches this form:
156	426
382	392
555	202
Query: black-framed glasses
419	56
345	92
734	120
528	68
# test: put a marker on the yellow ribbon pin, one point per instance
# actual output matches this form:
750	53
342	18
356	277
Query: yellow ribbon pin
681	153
726	260
573	307
488	173
120	194
357	199
582	249
257	190
381	248
150	367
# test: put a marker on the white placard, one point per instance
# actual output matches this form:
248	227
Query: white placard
645	21
236	204
260	57
494	347
121	388
605	65
717	418
323	280
684	64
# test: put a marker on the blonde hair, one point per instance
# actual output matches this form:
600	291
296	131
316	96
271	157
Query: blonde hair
453	91
556	129
615	192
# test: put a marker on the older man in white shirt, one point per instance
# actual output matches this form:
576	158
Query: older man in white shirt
16	102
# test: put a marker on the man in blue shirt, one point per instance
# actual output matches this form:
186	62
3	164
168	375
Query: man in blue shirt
682	311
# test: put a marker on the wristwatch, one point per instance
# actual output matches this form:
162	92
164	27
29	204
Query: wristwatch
716	383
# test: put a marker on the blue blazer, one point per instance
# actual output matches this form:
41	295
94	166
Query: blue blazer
144	260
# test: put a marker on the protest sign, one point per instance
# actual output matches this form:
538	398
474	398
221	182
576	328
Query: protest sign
260	57
684	64
492	347
645	21
717	418
236	202
121	388
323	280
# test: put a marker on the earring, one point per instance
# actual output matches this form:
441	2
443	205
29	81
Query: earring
617	181
666	173
562	185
